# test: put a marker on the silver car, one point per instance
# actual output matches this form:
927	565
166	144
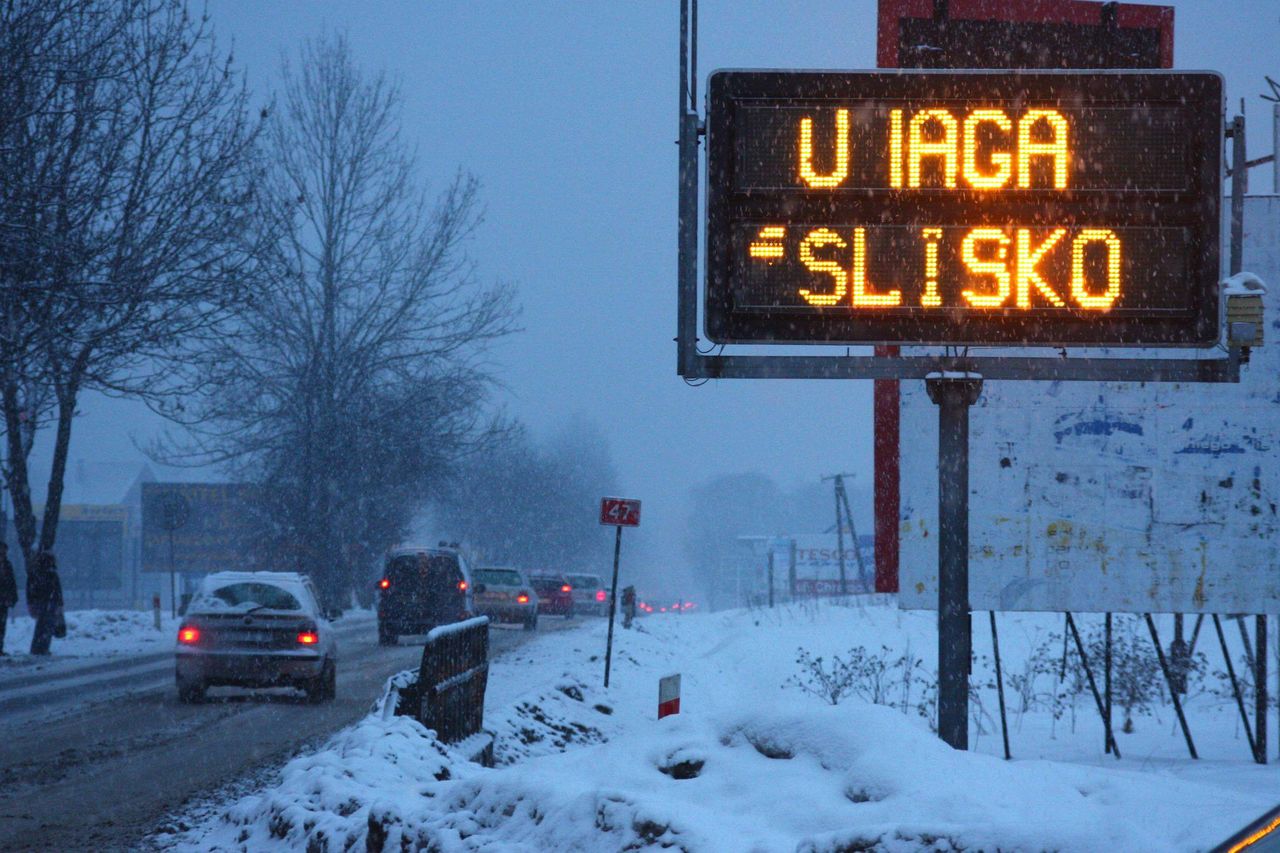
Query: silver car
256	629
589	594
505	595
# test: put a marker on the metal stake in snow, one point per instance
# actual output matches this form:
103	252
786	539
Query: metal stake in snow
668	695
620	512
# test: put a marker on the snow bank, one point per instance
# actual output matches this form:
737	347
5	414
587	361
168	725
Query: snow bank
750	763
97	633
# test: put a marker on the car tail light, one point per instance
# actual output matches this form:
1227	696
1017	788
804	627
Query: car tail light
308	638
599	595
385	583
462	586
522	598
189	636
566	588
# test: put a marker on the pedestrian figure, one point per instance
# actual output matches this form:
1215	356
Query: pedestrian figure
44	600
8	590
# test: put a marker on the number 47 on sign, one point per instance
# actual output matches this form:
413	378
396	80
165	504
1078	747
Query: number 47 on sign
623	512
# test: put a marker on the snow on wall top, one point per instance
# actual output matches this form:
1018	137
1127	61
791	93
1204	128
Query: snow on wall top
1122	497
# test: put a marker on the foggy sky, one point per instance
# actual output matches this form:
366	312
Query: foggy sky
566	112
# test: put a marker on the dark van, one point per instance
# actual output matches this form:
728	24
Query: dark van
420	589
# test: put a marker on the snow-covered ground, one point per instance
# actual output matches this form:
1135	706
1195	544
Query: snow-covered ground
753	762
95	634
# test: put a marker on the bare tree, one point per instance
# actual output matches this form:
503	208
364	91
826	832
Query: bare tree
534	504
127	170
356	374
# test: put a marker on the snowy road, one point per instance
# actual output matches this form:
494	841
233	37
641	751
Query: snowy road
95	760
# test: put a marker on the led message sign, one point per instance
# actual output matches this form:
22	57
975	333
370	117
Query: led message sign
964	207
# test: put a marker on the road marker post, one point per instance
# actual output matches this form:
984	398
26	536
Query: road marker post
620	512
669	695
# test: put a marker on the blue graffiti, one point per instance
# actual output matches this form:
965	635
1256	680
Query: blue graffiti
1098	427
1211	447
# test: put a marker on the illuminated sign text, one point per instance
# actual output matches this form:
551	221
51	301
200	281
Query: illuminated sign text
963	207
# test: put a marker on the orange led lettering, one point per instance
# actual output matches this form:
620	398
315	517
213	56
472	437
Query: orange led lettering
1056	147
768	244
944	148
824	237
1001	161
931	298
1027	277
861	298
841	172
997	269
895	148
1079	288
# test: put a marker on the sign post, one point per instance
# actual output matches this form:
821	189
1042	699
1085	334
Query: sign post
174	513
953	394
619	512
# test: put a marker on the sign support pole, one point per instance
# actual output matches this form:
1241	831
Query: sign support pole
173	578
613	598
953	394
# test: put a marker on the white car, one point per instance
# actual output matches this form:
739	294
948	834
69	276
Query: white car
256	629
590	595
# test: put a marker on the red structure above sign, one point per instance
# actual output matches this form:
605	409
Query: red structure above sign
620	512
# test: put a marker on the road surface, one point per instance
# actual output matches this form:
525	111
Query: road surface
96	760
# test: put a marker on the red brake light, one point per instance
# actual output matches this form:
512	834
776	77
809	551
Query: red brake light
190	636
599	595
522	598
566	588
462	586
385	583
308	638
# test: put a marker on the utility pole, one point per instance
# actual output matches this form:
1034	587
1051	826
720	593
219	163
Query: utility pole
844	515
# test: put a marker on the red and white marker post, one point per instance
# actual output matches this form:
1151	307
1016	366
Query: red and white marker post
620	512
669	695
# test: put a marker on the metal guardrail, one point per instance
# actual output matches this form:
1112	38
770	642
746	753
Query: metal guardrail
449	694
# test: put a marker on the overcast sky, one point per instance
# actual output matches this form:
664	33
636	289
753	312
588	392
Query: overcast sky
566	112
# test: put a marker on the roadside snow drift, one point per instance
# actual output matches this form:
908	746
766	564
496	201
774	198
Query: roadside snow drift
745	766
97	633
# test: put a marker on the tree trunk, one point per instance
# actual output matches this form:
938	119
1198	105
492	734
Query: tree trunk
17	475
57	473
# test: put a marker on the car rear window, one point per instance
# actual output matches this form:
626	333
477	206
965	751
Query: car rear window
584	581
247	595
545	582
433	568
499	577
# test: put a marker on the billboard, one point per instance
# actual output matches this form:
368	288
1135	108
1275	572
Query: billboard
89	545
1115	497
964	207
817	563
210	525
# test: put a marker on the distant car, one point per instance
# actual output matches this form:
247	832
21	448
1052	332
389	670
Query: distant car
420	589
589	594
256	629
504	595
555	594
